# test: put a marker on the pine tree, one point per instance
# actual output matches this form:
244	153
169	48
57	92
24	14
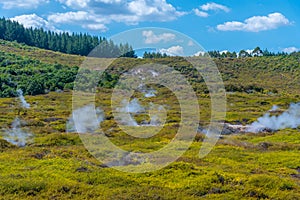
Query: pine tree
80	44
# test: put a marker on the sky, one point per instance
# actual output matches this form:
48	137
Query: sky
221	25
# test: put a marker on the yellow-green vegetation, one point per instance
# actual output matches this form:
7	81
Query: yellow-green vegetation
56	164
43	55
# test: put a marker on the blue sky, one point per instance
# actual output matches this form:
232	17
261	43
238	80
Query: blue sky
216	25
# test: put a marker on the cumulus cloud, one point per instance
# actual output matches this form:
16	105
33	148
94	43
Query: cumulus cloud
85	19
152	38
79	4
224	51
71	17
154	10
9	4
200	53
291	49
96	27
75	3
96	14
215	7
35	21
173	51
205	8
200	13
256	23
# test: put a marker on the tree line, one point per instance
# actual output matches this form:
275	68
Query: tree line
154	55
79	44
257	52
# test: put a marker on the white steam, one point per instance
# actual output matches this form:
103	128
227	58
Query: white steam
154	73
22	99
149	93
16	135
274	108
133	107
157	115
288	119
82	119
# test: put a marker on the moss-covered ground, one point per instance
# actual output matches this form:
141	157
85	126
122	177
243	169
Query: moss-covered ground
56	164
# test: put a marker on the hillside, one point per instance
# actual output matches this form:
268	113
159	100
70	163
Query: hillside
65	42
54	163
42	55
270	74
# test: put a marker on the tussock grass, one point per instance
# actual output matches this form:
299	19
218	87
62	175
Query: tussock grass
56	165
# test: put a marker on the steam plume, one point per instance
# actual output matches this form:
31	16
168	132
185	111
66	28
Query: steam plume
157	113
149	93
16	135
132	107
22	99
84	120
274	108
288	119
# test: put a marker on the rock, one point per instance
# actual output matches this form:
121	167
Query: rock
82	169
52	119
264	145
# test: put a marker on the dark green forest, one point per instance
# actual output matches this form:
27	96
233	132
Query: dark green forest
79	44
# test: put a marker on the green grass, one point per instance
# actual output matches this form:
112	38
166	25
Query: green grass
56	165
45	56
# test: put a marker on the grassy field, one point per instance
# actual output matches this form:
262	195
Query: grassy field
45	56
56	164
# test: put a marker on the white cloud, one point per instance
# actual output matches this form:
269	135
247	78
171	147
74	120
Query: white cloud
85	19
153	10
9	4
291	49
256	23
35	21
110	1
203	11
71	17
215	7
200	53
75	3
173	51
200	13
99	13
252	53
224	51
96	27
79	4
152	38
249	51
